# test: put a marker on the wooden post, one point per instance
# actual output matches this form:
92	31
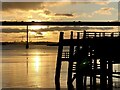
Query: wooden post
94	75
103	34
79	75
85	81
95	68
78	37
103	75
99	34
91	74
84	35
27	42
110	81
80	78
110	70
83	53
69	82
112	35
58	65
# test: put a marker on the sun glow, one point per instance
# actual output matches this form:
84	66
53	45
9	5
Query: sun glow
32	33
37	27
44	33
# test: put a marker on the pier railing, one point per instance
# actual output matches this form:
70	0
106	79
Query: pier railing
102	34
98	34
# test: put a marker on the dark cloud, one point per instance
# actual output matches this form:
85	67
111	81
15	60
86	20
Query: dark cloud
47	12
22	5
76	28
13	30
68	15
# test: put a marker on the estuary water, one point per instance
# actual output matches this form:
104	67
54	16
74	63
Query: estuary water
30	68
33	67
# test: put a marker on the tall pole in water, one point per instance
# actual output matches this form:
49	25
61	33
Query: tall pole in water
27	44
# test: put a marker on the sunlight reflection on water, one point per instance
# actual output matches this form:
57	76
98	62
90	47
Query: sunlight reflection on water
32	68
29	68
37	63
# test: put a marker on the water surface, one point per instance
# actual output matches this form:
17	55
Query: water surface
32	68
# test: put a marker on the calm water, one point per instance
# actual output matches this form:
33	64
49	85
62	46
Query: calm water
32	68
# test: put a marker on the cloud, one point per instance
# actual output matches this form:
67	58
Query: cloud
22	5
27	11
47	12
31	15
92	2
85	15
49	29
104	11
30	5
68	15
42	11
102	3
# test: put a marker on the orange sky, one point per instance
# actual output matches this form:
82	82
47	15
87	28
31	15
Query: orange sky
53	11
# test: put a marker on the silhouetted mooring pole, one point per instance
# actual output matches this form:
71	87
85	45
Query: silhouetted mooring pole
27	42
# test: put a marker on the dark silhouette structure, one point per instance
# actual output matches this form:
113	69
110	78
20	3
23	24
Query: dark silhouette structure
84	53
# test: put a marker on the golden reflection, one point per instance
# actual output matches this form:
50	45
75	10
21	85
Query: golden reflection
37	63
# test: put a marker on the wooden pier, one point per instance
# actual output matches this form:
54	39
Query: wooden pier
83	55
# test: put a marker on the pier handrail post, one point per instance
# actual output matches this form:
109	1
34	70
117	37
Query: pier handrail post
84	35
58	65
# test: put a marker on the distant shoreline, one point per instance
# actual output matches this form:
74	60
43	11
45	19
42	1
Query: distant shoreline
31	43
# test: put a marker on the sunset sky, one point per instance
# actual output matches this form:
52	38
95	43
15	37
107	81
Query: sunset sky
54	11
